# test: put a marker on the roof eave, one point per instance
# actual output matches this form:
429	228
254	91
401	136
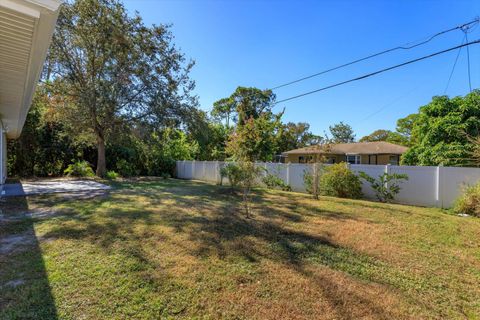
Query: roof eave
44	13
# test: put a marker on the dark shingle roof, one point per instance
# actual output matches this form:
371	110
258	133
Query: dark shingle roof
377	147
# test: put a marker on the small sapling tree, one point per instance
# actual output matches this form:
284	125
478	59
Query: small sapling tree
386	186
318	160
249	142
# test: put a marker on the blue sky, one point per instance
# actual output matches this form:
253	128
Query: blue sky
265	43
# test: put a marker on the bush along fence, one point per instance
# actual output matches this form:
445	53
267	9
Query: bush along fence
426	186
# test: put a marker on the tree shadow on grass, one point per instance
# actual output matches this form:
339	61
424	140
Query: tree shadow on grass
25	291
214	223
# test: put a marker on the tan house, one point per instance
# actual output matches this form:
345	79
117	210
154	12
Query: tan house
380	152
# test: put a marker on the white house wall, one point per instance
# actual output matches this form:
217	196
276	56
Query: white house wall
3	155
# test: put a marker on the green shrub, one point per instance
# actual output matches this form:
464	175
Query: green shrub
161	166
308	181
233	172
165	175
387	186
111	175
338	180
125	168
469	201
274	182
79	169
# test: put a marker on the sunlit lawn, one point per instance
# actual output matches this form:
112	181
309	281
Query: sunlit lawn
177	249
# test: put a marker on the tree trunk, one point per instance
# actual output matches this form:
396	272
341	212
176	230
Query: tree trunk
101	164
246	199
315	179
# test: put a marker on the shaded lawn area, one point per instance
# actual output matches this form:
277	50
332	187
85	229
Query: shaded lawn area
179	249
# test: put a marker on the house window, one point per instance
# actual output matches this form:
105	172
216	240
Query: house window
393	160
353	158
301	159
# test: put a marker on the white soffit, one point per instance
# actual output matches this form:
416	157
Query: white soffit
26	28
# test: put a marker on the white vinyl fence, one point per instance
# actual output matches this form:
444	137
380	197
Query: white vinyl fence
426	186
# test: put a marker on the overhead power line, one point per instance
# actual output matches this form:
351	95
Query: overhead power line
379	71
404	47
454	65
468	63
387	105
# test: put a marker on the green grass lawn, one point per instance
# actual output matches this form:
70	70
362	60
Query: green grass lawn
158	249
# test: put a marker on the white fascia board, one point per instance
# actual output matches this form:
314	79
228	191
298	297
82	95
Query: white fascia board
51	5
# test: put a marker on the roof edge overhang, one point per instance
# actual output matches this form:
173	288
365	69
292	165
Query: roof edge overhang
43	14
343	153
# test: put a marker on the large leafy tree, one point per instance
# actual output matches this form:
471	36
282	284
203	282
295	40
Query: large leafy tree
243	104
255	135
342	133
211	136
397	138
111	69
377	135
403	134
224	110
296	135
256	139
386	135
256	130
44	148
442	129
405	125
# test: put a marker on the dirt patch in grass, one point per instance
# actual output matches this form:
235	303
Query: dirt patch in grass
154	249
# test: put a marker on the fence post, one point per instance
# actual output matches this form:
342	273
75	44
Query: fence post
288	174
439	181
180	169
387	171
437	187
204	171
193	169
217	172
184	169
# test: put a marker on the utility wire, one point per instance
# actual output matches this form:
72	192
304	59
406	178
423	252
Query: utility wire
463	27
378	72
454	64
405	47
468	63
387	105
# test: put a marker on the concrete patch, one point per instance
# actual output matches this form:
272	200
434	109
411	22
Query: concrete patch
464	215
52	186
